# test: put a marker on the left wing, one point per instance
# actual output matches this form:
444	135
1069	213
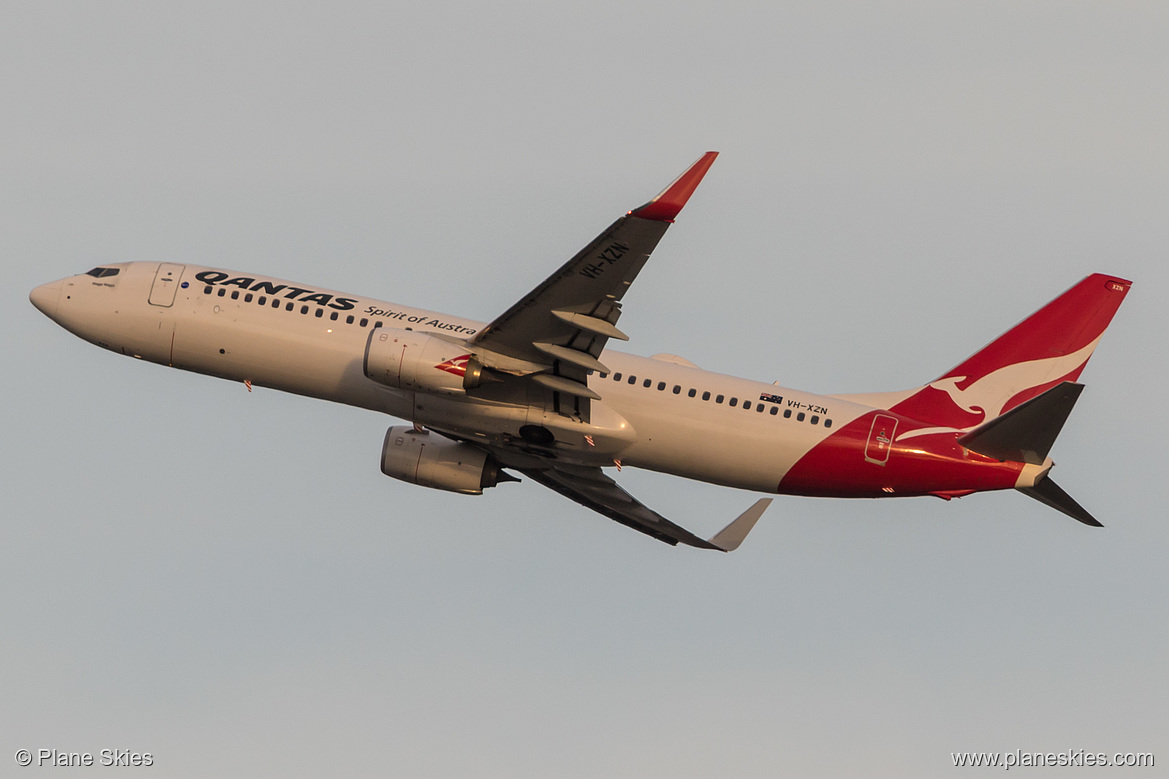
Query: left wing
557	331
591	488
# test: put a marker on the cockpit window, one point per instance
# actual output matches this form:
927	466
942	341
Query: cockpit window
101	273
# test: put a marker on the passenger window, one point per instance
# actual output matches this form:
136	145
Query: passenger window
706	396
800	417
320	313
774	410
377	323
661	386
363	322
815	420
248	298
617	376
333	316
718	399
263	301
632	379
222	292
787	413
235	294
759	407
827	423
604	376
349	319
677	389
206	290
304	309
647	383
692	392
288	307
734	402
275	303
746	405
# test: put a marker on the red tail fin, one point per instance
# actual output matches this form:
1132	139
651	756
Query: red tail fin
1050	346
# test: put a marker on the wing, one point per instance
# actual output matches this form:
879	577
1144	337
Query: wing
591	488
556	332
555	335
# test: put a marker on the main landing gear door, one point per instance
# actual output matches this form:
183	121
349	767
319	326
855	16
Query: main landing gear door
880	439
166	283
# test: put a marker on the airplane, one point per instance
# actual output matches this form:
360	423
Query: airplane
537	392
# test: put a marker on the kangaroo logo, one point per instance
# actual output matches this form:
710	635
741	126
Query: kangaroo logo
455	365
989	395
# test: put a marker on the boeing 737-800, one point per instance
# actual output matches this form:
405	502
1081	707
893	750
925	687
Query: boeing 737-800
537	392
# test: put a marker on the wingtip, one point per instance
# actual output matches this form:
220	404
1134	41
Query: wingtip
730	537
666	206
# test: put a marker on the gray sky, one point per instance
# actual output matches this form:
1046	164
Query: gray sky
226	581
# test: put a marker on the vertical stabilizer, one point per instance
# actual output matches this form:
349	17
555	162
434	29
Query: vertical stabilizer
1047	348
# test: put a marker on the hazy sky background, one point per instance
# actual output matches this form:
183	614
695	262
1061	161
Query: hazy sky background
227	581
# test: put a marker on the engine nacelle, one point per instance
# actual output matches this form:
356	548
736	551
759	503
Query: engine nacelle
404	359
432	461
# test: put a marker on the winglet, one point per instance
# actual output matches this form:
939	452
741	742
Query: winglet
666	205
729	538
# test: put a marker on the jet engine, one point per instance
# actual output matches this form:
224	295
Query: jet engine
404	359
418	457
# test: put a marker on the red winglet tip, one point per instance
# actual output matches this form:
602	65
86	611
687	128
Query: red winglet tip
666	205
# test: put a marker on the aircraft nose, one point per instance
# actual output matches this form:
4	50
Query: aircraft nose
45	298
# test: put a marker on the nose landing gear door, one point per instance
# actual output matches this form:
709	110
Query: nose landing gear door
166	283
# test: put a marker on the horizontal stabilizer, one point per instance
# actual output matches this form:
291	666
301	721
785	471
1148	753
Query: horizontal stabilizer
1025	433
1050	493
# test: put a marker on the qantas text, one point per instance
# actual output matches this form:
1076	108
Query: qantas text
289	292
302	295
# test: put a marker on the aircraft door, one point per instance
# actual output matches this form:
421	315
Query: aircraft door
166	284
880	439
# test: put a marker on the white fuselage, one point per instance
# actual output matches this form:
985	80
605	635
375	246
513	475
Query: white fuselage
311	341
